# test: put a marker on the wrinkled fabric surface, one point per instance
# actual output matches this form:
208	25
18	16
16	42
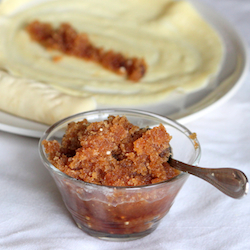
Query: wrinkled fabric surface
33	215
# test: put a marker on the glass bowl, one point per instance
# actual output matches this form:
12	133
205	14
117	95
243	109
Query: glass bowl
122	213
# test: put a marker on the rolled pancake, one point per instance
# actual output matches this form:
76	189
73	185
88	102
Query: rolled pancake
37	101
182	51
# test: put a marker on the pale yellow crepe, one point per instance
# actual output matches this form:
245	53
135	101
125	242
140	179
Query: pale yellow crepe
38	101
181	50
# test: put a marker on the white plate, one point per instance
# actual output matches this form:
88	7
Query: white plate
191	106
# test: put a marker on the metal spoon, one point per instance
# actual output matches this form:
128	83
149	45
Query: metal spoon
230	181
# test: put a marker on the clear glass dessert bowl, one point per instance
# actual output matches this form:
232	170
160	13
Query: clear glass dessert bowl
122	213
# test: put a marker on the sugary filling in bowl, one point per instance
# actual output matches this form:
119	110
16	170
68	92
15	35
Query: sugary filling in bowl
113	152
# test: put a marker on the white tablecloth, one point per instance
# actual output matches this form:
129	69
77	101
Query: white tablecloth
33	216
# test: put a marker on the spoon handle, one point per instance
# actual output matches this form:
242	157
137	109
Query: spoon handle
230	181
